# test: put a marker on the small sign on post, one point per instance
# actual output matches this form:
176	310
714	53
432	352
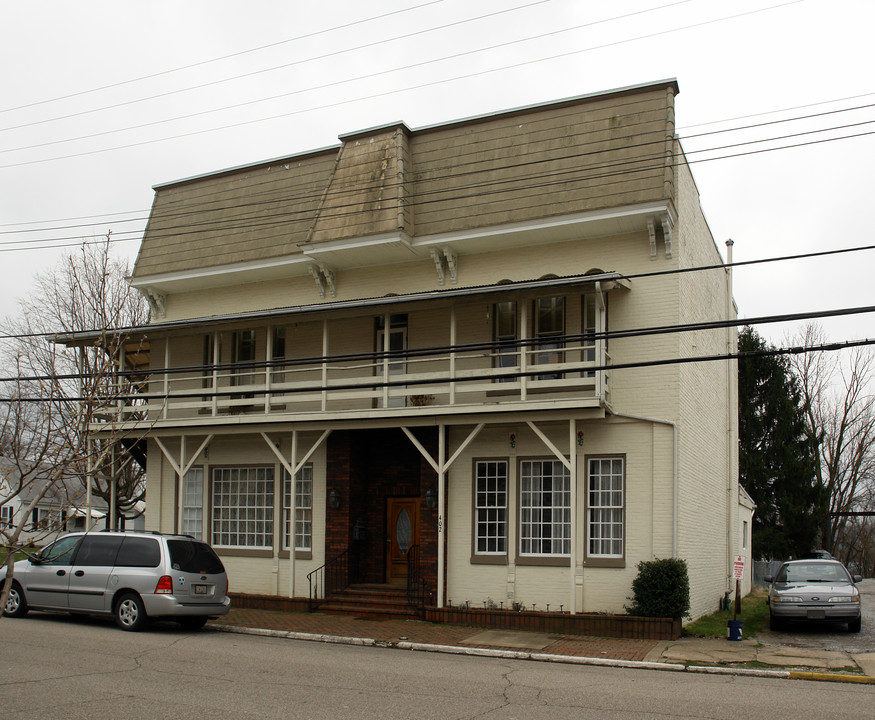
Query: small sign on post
738	574
738	567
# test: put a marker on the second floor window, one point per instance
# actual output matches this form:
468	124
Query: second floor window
244	355
278	353
506	335
549	327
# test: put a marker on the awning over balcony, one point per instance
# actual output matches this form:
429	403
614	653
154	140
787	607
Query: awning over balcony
598	282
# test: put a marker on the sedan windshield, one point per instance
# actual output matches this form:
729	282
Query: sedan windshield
813	573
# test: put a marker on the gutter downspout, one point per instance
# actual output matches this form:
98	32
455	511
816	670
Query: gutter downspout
674	481
730	421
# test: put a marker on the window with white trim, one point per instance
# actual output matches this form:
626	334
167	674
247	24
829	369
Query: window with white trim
605	496
303	509
506	334
549	326
545	508
490	507
243	348
6	516
242	507
193	503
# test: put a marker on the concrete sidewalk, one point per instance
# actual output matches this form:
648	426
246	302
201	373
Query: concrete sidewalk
714	655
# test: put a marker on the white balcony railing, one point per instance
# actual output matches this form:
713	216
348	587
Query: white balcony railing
454	380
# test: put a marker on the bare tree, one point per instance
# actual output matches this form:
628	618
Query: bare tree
840	418
85	382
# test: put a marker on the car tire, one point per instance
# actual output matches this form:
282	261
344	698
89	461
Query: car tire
775	623
855	625
130	613
192	623
16	605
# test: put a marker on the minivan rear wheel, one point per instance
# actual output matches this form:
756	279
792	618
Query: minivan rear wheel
130	613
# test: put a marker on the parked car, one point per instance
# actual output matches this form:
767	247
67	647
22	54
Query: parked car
133	576
814	591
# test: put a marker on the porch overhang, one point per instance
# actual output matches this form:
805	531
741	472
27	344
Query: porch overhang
598	282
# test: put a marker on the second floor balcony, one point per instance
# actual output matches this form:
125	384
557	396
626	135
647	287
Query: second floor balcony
529	346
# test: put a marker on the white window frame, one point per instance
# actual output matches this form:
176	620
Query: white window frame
303	509
544	507
490	506
7	516
192	516
242	507
606	507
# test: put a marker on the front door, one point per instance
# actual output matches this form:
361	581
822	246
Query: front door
402	528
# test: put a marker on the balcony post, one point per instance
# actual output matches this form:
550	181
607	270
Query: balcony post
324	364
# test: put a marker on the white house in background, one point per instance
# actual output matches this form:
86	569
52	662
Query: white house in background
61	509
461	342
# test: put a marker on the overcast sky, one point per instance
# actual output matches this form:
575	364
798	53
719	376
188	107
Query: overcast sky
99	101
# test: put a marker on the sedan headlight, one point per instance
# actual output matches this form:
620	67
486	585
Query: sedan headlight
845	598
787	599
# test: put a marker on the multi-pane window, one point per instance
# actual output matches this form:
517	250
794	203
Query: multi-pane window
303	509
242	507
244	355
6	515
505	331
549	325
605	507
545	508
193	503
490	502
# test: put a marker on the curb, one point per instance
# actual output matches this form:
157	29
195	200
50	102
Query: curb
545	657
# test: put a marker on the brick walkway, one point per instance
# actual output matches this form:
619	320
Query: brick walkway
393	631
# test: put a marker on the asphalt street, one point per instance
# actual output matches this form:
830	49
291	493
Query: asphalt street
58	668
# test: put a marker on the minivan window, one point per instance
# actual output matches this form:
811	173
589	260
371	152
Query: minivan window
194	557
98	550
59	552
139	552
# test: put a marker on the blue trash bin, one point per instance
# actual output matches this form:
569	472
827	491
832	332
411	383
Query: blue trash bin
733	629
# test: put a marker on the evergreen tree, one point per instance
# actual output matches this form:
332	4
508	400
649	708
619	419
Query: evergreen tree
777	462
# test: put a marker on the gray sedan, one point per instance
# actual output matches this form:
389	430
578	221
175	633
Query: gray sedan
814	591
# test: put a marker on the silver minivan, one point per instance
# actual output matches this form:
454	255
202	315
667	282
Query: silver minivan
133	576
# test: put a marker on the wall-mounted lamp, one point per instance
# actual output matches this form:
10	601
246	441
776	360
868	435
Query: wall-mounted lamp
580	438
431	498
333	499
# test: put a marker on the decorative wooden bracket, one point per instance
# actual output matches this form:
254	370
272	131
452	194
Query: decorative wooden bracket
445	263
324	278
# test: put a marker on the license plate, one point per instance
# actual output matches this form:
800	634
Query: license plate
816	615
201	589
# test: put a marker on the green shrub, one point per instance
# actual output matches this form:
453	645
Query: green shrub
662	589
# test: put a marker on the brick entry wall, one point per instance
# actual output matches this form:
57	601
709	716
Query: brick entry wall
366	467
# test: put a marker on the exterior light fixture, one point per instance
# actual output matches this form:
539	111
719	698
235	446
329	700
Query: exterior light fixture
431	498
333	499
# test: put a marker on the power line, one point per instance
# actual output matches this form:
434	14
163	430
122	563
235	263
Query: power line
223	57
396	91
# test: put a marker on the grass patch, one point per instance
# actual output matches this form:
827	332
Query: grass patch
754	614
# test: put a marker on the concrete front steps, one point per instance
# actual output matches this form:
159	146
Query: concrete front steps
370	601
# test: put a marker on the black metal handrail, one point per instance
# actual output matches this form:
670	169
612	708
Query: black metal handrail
330	578
417	587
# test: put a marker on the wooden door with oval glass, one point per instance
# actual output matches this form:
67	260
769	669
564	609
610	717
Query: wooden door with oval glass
402	530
